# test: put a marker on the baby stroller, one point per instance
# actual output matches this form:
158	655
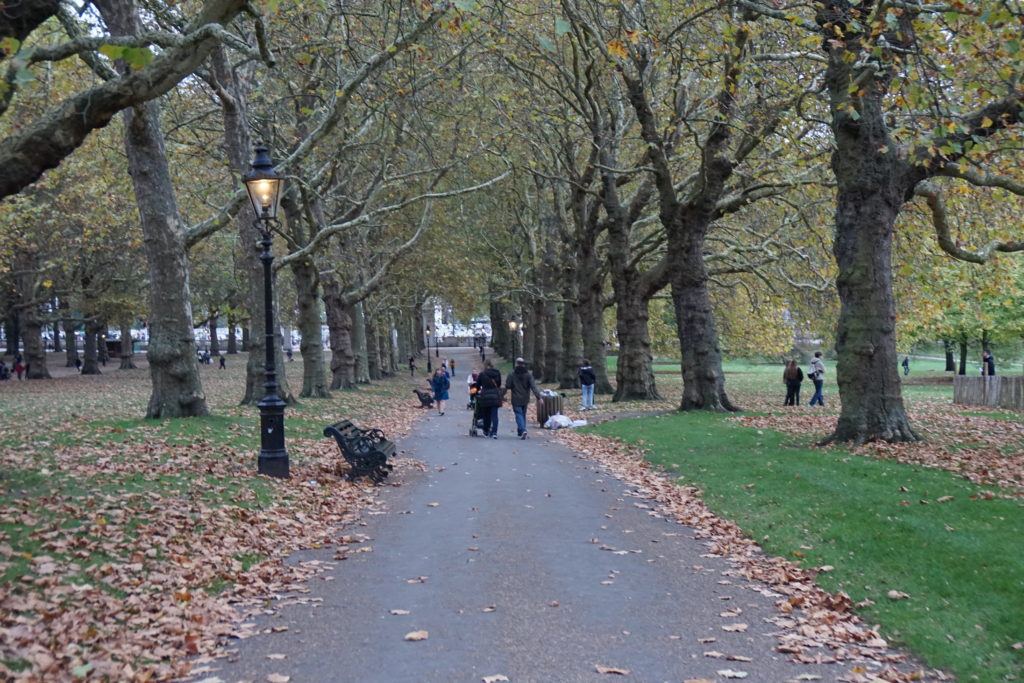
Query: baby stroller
478	420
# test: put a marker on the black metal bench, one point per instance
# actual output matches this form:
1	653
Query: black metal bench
366	450
426	400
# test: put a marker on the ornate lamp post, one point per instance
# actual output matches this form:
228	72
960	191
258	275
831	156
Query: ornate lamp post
513	327
264	187
430	367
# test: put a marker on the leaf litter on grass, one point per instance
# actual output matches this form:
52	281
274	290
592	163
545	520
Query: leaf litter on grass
138	557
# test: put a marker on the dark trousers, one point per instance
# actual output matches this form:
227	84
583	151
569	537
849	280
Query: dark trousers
792	394
490	417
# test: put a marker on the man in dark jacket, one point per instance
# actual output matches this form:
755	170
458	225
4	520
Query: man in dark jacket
520	383
488	398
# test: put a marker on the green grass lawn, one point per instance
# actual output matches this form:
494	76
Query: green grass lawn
877	522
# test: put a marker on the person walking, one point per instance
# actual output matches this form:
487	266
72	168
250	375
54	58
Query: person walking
19	367
451	368
440	384
793	376
412	366
520	383
987	361
223	362
489	398
588	378
817	375
906	365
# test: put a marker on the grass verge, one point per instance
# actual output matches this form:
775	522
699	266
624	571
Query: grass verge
882	525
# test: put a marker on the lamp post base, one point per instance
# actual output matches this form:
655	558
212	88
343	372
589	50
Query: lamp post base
273	464
273	458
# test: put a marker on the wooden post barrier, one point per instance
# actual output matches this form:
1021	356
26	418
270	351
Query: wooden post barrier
989	390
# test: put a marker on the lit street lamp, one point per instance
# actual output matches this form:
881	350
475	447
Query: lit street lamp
430	367
513	327
264	188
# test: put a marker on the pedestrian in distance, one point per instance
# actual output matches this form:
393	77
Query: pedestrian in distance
223	362
5	372
793	376
817	375
588	378
521	384
489	398
906	365
412	366
289	353
988	364
78	363
439	384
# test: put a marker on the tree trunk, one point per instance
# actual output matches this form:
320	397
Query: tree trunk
71	344
314	371
35	350
873	179
553	347
867	371
634	376
232	336
12	332
58	306
592	326
703	379
91	356
339	325
538	360
127	345
572	353
355	313
177	387
963	357
214	342
948	348
372	348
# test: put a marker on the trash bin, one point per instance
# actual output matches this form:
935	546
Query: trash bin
548	406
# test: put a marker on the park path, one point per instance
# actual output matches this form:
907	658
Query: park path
521	560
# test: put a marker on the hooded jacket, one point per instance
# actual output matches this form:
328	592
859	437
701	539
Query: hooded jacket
520	382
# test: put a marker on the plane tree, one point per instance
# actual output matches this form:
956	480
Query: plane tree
708	88
922	97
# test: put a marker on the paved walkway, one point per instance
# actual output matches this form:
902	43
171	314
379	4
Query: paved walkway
519	560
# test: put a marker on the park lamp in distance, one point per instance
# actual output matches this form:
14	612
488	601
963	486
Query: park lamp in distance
263	185
513	325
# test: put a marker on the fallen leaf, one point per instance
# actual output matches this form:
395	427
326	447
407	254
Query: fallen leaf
944	499
897	595
729	673
399	612
611	670
736	628
276	656
497	678
433	505
278	678
415	636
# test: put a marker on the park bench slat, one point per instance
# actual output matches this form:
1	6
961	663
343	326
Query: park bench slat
366	450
